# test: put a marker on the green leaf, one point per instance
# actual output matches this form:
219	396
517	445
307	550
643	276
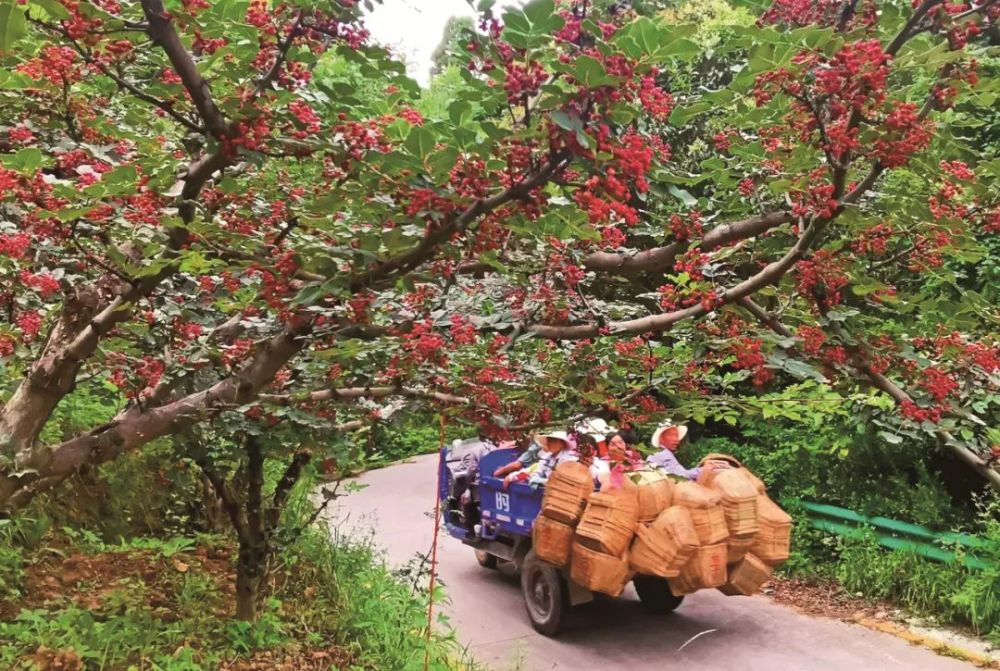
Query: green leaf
591	73
420	141
680	48
25	160
53	8
683	196
567	120
538	11
644	34
13	25
459	112
682	114
891	438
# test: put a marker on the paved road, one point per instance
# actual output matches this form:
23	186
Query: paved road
743	634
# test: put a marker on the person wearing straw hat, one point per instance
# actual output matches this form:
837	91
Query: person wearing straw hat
668	437
558	447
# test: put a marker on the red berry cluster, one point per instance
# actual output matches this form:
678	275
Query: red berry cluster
813	338
749	356
685	229
821	279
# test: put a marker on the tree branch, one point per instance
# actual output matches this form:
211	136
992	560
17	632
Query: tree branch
662	258
162	32
881	382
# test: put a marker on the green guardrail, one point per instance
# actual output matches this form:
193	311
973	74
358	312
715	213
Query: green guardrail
947	547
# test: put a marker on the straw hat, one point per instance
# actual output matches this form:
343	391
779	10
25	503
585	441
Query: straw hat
596	427
543	438
681	433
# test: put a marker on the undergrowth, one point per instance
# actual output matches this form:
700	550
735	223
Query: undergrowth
75	597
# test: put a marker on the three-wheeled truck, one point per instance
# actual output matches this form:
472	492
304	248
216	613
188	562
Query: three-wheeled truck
500	531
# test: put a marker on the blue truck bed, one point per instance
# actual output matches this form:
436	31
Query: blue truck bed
510	511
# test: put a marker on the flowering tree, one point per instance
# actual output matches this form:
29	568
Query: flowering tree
196	212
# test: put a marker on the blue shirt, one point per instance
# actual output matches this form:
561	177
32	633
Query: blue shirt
667	460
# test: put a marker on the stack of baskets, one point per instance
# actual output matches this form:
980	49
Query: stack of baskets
600	547
566	494
720	532
666	545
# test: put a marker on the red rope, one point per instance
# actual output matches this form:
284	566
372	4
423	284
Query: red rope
434	551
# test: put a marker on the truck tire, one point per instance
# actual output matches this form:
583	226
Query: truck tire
546	597
486	560
655	595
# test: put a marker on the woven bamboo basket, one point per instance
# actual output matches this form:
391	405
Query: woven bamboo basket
737	547
708	565
566	492
746	577
597	571
609	521
707	515
683	584
675	522
739	500
774	538
707	475
655	492
552	540
647	552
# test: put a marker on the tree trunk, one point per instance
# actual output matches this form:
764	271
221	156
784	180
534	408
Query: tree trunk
252	568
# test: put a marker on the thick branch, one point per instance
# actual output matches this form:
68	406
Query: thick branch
409	260
230	500
662	258
162	32
136	426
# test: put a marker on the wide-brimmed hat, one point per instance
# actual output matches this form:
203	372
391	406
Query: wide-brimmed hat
543	438
681	433
596	427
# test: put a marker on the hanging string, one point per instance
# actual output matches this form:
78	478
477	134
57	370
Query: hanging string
434	548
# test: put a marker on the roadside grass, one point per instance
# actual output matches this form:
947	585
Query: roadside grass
71	600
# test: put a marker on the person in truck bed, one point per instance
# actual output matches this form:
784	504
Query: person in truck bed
555	448
668	438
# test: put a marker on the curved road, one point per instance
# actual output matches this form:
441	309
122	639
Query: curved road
740	634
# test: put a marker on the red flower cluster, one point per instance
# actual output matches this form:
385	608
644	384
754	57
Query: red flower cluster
874	241
821	278
813	339
463	332
905	133
911	410
43	283
749	357
523	81
54	65
423	344
686	229
14	245
30	323
937	383
817	12
693	263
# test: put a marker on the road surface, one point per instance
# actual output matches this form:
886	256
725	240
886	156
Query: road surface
736	633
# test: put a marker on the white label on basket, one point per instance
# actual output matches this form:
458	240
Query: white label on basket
503	501
503	518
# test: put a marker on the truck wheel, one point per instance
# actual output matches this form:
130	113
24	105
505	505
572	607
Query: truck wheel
485	559
655	595
545	595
